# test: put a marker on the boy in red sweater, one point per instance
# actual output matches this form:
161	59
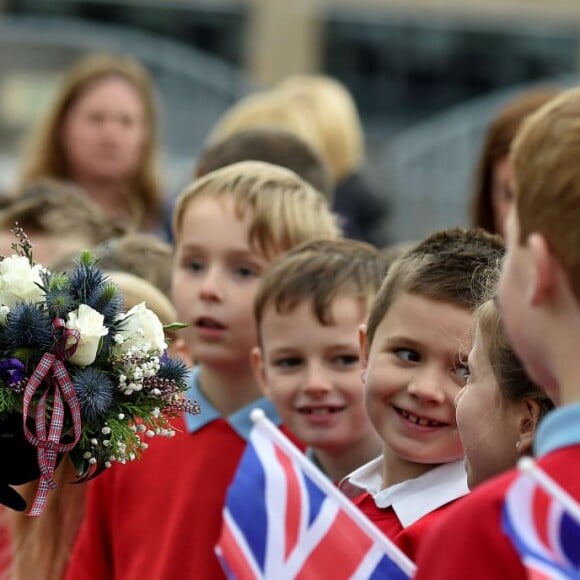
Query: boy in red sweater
308	309
161	516
413	353
539	296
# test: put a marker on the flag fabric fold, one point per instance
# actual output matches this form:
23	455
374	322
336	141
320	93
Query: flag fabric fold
284	519
543	532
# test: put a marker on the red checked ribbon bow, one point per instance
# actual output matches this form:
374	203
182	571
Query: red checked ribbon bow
51	375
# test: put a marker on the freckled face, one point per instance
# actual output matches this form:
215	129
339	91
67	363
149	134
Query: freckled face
413	374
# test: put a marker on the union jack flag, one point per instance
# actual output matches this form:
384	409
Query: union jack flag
284	519
543	531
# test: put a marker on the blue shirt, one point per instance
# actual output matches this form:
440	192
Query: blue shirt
239	421
560	428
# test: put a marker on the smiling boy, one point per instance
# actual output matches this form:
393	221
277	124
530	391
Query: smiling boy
413	352
308	309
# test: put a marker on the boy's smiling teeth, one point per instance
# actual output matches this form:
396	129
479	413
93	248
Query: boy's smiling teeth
419	420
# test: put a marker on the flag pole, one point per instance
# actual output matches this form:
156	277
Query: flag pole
259	419
528	465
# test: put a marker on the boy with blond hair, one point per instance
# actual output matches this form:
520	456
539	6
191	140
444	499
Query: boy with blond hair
413	352
539	297
308	309
161	517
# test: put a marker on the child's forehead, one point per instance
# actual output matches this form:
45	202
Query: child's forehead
421	318
406	301
344	309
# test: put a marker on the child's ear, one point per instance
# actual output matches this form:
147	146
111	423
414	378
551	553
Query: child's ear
363	353
258	367
527	426
178	348
545	269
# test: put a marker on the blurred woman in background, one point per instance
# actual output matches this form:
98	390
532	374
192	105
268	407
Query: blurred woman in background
101	133
493	193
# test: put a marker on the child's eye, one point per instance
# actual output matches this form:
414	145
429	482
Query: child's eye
407	355
246	271
195	265
287	362
346	360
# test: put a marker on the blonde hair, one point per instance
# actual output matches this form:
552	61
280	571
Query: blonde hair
46	156
136	290
260	110
41	547
546	176
319	271
331	114
285	209
513	382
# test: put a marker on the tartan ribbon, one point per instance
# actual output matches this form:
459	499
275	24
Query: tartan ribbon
50	375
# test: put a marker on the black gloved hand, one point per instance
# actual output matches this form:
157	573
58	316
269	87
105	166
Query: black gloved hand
18	461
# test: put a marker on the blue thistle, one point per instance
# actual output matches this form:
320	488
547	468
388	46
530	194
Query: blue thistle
108	300
58	297
86	279
173	369
94	391
28	327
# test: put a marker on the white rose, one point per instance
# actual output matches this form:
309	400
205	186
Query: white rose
18	281
142	327
90	325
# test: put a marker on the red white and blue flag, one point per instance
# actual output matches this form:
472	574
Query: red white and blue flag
284	519
544	530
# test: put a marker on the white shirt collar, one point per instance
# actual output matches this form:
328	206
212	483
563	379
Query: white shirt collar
414	498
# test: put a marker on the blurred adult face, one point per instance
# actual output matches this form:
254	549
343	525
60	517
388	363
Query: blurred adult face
502	196
104	132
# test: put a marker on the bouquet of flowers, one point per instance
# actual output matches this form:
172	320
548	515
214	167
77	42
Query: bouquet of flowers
89	379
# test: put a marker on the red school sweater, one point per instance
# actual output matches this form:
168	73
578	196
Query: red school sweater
407	539
470	543
160	517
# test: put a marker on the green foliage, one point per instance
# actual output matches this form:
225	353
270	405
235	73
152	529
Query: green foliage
9	401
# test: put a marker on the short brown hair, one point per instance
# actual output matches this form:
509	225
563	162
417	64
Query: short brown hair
50	206
513	382
547	180
455	266
143	255
286	210
320	271
272	145
496	146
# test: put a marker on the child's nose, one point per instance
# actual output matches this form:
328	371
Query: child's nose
211	287
427	385
316	381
